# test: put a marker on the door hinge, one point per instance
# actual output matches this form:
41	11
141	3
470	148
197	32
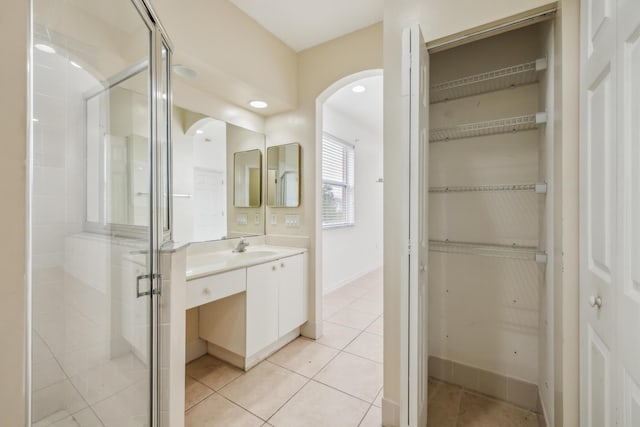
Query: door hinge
151	291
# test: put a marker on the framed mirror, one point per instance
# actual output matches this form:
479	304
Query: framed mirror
204	151
283	176
247	179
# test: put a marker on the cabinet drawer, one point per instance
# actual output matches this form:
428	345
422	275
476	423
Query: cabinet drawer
211	288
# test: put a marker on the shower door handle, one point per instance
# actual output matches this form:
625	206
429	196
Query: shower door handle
138	279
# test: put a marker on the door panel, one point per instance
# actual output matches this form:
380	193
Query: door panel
418	227
262	306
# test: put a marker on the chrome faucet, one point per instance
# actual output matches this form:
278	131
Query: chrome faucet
242	245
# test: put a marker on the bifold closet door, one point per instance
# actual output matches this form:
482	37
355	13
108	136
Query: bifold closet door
610	213
416	99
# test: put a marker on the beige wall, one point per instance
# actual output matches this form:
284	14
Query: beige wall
13	110
439	19
318	68
237	59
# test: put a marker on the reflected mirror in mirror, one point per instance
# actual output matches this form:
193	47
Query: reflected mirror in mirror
283	176
248	179
116	152
203	201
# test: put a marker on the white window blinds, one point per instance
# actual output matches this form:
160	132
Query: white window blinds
338	164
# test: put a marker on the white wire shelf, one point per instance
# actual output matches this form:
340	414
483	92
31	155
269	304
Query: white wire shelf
504	78
490	127
492	250
539	188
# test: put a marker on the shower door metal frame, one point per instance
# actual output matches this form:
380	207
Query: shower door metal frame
158	233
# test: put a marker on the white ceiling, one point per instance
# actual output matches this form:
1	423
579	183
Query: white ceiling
301	24
364	108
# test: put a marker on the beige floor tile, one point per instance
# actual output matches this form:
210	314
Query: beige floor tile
367	306
480	411
84	418
317	405
264	389
368	346
304	356
212	372
353	318
348	292
337	336
377	327
354	375
55	403
338	300
373	418
443	405
378	401
329	310
216	411
375	295
194	392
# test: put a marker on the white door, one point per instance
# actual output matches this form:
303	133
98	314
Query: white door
418	226
628	291
610	214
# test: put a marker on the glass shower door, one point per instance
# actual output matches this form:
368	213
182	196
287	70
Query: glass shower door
95	225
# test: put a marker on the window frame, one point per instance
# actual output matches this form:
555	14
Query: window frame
348	184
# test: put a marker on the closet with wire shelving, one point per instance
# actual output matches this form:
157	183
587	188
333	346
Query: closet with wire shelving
490	222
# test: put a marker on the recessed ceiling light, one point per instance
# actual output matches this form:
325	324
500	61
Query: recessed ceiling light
75	64
358	89
35	120
199	131
184	71
44	48
258	104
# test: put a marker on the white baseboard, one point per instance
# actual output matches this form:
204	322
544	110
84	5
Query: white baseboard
311	330
390	413
329	287
542	413
194	349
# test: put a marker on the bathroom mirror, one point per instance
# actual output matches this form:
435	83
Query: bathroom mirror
247	182
204	152
116	144
283	176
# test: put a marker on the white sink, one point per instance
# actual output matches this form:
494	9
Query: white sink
204	264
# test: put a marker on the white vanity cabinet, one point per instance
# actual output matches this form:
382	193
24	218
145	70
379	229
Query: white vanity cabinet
244	328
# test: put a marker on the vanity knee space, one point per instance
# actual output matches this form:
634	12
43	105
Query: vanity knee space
250	312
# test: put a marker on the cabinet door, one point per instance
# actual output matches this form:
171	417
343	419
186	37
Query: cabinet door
262	306
293	292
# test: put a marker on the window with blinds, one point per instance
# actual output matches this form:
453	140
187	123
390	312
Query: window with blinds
338	164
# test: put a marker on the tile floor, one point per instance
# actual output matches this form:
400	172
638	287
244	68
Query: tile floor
335	381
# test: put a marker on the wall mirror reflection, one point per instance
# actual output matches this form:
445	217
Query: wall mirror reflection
204	150
116	153
283	176
248	179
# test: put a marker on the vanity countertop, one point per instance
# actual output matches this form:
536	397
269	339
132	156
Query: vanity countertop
206	264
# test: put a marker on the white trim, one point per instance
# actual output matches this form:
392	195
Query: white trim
390	413
320	100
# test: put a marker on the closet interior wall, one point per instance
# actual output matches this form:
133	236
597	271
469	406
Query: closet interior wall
488	214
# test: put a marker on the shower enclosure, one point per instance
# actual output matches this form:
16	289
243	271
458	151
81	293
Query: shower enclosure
99	170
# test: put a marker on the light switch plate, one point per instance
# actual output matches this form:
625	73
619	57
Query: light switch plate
256	219
292	220
242	219
274	219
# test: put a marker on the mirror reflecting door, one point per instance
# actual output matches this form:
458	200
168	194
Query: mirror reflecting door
98	214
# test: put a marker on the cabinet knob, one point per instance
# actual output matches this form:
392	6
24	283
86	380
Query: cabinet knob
273	268
206	291
282	264
595	302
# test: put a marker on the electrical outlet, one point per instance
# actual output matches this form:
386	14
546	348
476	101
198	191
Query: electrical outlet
256	219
